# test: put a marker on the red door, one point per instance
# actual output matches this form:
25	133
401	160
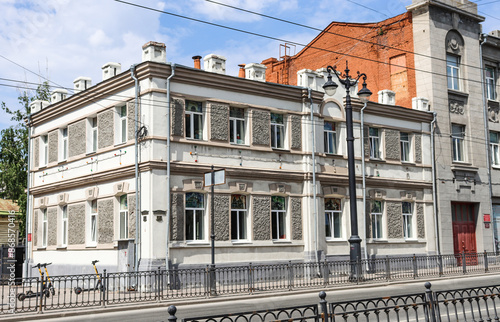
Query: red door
464	232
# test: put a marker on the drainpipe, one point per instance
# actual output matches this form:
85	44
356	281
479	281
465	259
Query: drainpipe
315	214
486	133
167	233
363	174
27	250
137	195
434	190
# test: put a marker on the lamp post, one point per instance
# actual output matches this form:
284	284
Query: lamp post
364	95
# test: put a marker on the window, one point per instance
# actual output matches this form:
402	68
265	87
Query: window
278	217
495	157
376	214
407	220
333	218
64	225
93	134
195	216
64	144
374	143
330	138
93	219
123	217
44	150
490	83
277	131
45	227
122	125
453	71
404	139
457	136
237	125
194	120
238	217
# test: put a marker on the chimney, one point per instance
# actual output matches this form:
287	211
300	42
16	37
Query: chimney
154	51
256	72
81	83
110	69
197	62
58	95
38	105
215	64
420	103
387	97
241	73
495	33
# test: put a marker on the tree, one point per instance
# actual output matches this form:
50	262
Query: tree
14	151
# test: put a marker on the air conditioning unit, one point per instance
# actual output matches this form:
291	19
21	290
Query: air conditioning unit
43	202
91	193
120	188
62	198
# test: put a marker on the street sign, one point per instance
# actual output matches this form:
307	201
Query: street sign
219	178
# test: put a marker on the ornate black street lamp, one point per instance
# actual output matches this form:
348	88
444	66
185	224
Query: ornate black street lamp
364	95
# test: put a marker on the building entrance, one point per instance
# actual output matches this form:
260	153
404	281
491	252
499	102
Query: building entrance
464	231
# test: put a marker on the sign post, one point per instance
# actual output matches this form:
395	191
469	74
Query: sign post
213	178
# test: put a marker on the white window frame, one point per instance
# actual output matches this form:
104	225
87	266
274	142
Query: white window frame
330	138
408	222
490	82
405	145
123	218
64	226
196	212
93	222
63	134
234	121
330	221
241	215
276	215
375	143
377	218
453	71
44	150
122	125
194	134
494	148
458	142
92	135
45	228
278	130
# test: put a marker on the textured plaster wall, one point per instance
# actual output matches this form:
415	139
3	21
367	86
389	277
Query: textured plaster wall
368	220
131	216
296	132
177	224
105	128
261	128
367	141
76	224
76	138
177	117
35	228
36	152
261	206
221	205
131	120
52	222
394	220
105	221
53	142
420	221
392	146
296	205
418	148
219	118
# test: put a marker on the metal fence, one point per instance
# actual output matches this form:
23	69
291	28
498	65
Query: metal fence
474	304
69	291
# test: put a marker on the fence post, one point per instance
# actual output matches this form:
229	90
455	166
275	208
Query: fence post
326	272
485	262
440	264
430	302
42	293
290	275
358	270
158	284
207	281
104	288
415	268
387	268
250	278
464	264
171	311
323	304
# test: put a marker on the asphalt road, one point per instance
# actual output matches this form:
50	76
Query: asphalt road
191	308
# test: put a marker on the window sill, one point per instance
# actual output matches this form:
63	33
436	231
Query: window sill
376	159
463	166
91	246
241	242
42	248
490	100
408	163
90	153
496	166
239	144
124	239
335	240
281	241
62	161
457	92
120	143
280	149
196	242
377	240
62	247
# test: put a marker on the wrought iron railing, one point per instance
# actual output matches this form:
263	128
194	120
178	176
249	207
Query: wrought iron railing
69	291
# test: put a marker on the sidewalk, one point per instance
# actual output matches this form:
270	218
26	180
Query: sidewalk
234	303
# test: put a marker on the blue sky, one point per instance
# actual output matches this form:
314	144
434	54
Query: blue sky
64	39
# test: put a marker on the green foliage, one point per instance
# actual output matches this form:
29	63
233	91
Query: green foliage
14	151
